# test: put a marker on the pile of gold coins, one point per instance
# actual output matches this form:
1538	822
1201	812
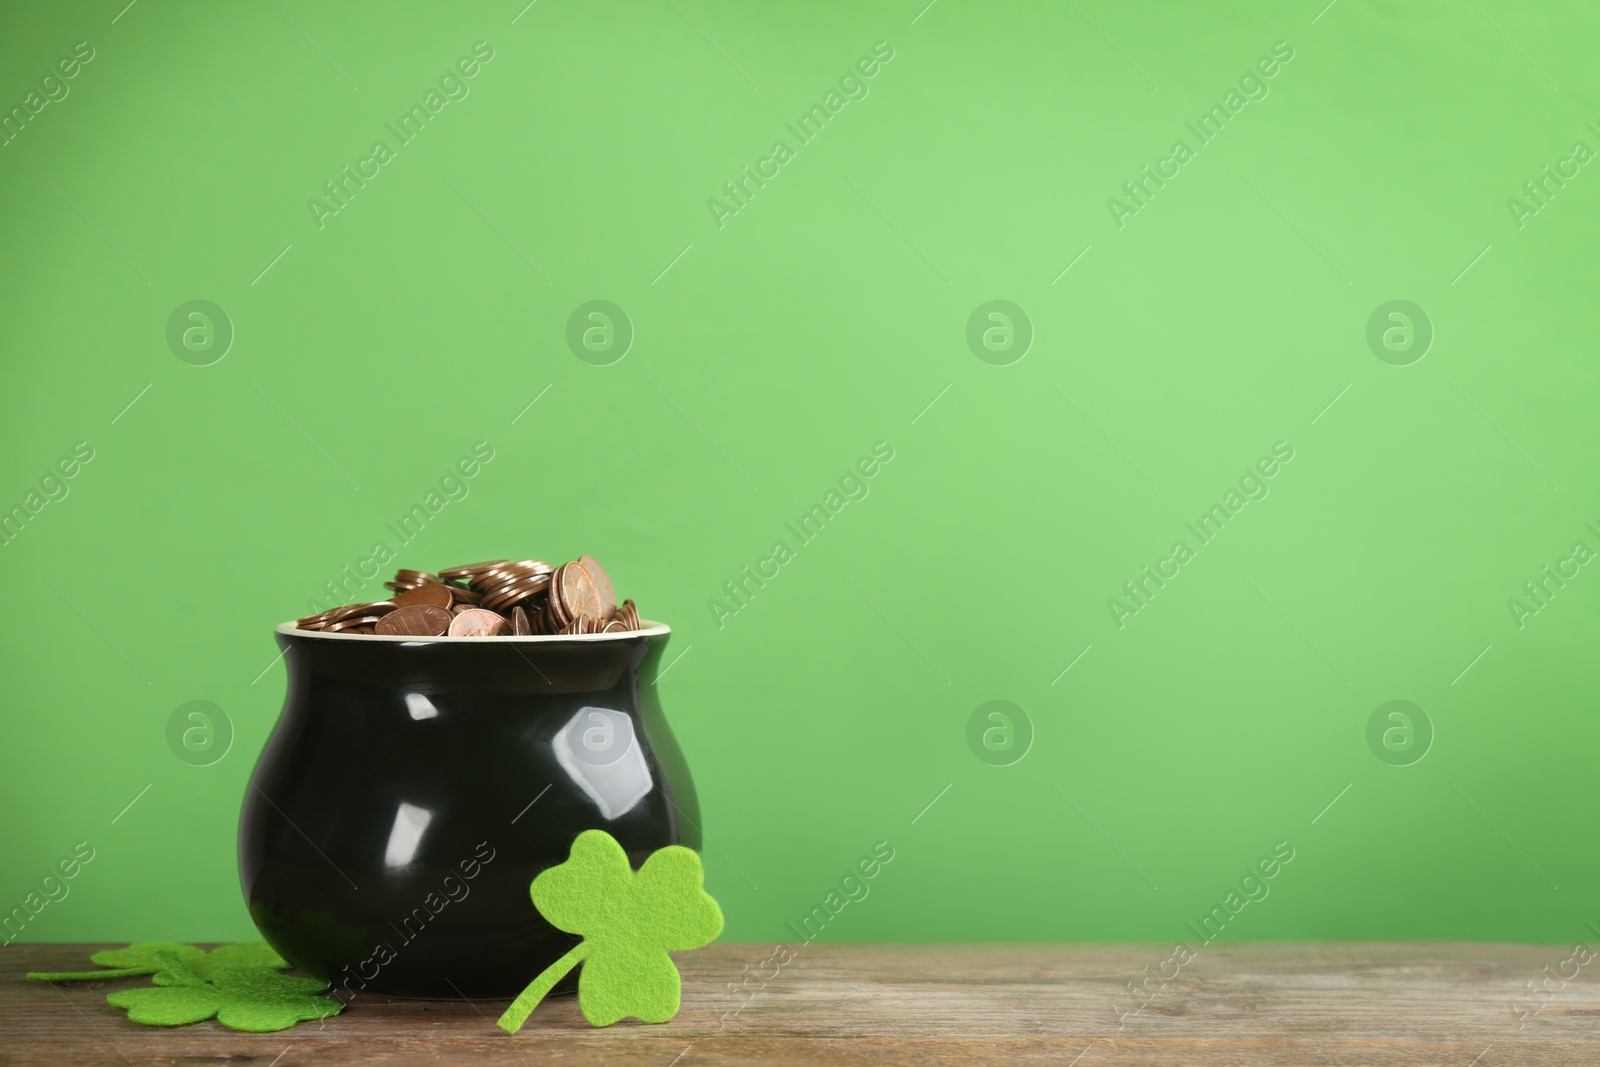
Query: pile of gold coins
495	599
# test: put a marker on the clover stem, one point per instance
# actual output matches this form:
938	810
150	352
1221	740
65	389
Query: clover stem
87	976
529	998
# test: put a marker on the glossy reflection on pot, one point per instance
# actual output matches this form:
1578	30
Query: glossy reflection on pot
413	788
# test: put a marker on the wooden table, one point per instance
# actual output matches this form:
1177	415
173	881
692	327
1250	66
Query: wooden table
1466	1005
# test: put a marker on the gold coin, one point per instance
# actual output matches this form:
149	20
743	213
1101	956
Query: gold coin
408	579
419	620
576	591
477	622
605	595
428	593
506	573
353	624
468	570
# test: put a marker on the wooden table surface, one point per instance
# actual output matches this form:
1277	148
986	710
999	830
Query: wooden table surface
1467	1005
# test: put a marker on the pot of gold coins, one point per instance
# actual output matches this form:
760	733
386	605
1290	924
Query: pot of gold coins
435	752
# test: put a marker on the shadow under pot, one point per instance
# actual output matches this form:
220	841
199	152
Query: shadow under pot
413	788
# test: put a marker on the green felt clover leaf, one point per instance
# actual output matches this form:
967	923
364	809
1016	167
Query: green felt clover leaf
629	922
127	962
257	1000
243	956
143	958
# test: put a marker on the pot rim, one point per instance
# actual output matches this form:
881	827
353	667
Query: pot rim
647	628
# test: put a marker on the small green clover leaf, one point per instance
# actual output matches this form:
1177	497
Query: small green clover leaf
141	958
243	956
629	922
257	1000
145	954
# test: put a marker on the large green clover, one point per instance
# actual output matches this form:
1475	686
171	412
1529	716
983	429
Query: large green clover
629	922
254	999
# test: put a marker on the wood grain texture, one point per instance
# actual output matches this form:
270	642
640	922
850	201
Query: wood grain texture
835	1005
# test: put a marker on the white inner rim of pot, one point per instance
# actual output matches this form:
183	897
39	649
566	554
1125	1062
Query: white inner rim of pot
647	628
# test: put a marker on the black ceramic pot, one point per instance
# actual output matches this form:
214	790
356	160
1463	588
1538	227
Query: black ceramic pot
413	787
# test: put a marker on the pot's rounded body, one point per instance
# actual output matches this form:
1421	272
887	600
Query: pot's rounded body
413	788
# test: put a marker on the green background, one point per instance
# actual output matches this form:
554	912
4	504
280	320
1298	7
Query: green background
772	354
